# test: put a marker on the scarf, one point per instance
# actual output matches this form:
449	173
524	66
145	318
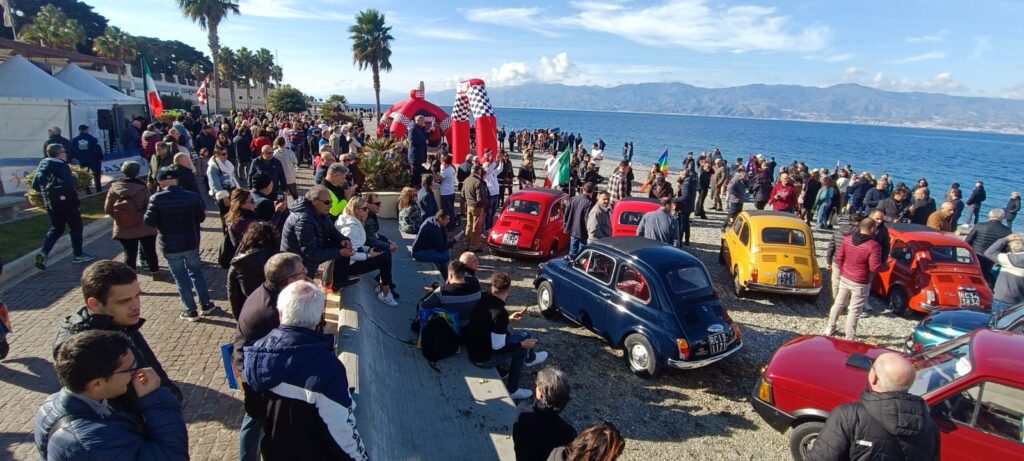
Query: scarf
227	169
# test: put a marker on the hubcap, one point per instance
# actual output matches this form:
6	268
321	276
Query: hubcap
545	298
809	444
638	355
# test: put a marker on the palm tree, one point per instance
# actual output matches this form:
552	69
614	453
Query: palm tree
371	47
198	72
229	70
263	70
53	29
277	75
246	62
182	70
209	14
115	44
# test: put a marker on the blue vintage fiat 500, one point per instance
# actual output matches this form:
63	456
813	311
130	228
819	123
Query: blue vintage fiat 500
654	300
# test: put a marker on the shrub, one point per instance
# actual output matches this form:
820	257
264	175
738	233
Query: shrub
384	164
82	175
287	99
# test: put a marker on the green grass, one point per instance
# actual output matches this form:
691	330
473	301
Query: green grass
25	236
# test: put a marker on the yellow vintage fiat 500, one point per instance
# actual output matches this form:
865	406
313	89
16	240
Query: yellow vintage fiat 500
770	251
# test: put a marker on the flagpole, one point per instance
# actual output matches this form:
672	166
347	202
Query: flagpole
207	82
145	90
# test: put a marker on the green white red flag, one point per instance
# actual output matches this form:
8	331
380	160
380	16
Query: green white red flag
156	106
559	173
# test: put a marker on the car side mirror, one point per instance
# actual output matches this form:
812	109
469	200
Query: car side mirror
567	258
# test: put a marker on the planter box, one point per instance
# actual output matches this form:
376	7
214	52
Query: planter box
388	204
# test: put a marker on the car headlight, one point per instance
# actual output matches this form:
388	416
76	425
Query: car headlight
764	391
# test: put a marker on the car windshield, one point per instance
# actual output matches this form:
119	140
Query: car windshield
683	280
941	365
1011	320
782	236
524	207
955	255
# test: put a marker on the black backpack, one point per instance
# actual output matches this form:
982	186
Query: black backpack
438	339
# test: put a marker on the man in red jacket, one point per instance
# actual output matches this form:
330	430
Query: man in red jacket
859	258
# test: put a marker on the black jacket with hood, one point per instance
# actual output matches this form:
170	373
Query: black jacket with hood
881	426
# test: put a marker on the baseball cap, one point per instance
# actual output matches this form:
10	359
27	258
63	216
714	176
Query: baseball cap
166	173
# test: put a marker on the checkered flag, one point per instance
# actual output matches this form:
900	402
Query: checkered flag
479	103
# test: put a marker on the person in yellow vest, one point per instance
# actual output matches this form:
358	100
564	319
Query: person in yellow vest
337	183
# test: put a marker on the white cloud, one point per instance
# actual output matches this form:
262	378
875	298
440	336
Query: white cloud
852	73
938	37
289	9
831	56
511	73
446	34
982	44
691	24
549	70
557	68
920	57
941	83
1015	91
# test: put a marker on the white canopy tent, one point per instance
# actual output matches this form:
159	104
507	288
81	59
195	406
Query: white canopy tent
77	78
31	102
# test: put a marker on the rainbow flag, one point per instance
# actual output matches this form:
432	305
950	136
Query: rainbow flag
663	162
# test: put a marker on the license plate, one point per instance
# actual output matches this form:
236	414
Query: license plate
969	298
510	240
717	343
787	279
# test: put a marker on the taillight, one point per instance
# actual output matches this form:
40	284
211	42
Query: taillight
764	390
817	279
918	347
684	349
753	275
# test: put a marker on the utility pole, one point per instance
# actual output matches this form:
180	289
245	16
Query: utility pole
9	13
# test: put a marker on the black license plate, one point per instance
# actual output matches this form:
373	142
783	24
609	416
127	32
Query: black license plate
717	342
510	240
786	279
970	299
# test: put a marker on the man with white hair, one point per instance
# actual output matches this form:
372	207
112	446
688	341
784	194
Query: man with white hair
302	397
983	235
886	423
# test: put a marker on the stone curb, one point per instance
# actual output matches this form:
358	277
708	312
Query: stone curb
23	267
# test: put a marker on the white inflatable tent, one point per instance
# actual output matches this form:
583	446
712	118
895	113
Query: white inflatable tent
32	101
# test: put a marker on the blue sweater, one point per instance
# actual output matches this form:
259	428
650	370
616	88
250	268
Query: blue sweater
431	237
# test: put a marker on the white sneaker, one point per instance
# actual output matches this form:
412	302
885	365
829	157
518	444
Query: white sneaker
521	394
829	332
539	359
387	299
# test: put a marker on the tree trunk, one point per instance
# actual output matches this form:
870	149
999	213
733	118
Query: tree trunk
120	70
265	95
376	89
248	93
232	89
214	52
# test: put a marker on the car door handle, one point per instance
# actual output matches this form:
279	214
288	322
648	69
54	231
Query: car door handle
606	295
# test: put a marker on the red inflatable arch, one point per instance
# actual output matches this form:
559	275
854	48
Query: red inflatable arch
399	118
471	98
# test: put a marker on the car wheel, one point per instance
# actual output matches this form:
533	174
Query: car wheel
546	298
898	301
721	253
553	251
802	437
641	357
737	287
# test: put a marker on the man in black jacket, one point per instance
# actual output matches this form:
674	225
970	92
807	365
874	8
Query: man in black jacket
886	423
896	207
54	137
176	213
270	166
87	151
417	153
576	219
704	175
974	202
684	204
1011	210
310	233
111	291
539	428
984	235
258	316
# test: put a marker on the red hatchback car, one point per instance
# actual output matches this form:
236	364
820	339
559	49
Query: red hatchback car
531	224
930	270
627	213
974	386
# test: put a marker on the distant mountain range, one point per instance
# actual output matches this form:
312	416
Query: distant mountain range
845	103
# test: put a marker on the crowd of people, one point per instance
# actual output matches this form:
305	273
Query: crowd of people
116	397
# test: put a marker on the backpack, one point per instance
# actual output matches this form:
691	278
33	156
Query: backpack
439	337
125	214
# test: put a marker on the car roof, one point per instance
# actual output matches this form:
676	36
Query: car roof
761	217
917	232
654	253
997	353
538	192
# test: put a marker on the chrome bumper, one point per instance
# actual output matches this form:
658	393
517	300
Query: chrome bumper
691	364
514	251
783	289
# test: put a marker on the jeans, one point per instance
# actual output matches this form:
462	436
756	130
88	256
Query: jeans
380	263
575	246
72	219
448	205
187	270
973	211
999	306
438	257
823	211
852	296
249	439
492	207
684	227
515	359
97	174
131	252
701	197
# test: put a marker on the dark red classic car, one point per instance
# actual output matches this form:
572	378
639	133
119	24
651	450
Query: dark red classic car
627	213
929	270
974	386
531	224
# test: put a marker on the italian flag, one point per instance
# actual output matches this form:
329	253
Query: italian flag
156	106
559	173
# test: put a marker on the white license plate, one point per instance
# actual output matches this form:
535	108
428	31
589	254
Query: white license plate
510	240
717	342
969	298
787	279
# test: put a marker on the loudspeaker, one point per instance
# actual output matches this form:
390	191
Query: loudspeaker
196	112
105	119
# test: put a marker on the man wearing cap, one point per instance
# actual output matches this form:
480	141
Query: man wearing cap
56	138
269	207
87	151
270	166
54	181
177	213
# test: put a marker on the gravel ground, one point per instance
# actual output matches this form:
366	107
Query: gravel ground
694	414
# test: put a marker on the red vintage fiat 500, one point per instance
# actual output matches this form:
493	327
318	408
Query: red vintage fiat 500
929	270
627	213
531	224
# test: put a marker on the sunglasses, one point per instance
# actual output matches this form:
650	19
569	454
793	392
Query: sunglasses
326	202
135	367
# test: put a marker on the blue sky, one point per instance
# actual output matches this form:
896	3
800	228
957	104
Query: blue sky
945	46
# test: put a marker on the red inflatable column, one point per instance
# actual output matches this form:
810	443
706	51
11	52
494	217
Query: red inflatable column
486	122
459	138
